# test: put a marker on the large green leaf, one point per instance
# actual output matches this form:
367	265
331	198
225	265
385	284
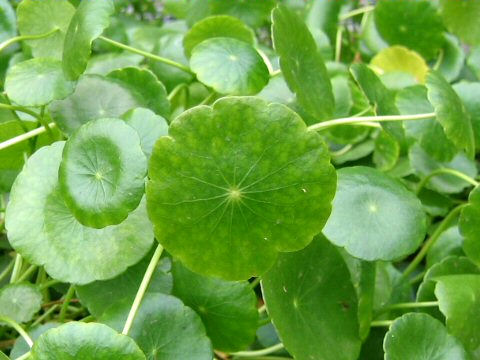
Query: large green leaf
102	173
461	18
37	82
164	328
146	85
374	216
80	341
89	21
217	26
229	66
459	301
227	308
240	179
40	17
20	302
414	24
468	225
42	229
301	64
312	303
94	97
98	296
451	113
421	337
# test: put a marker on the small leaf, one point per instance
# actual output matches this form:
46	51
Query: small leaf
37	82
451	113
469	94
102	64
461	18
413	24
217	26
147	86
102	173
227	308
164	328
468	225
312	303
374	216
229	66
148	125
89	21
301	64
250	163
421	337
453	58
387	151
40	17
42	229
21	347
459	301
449	243
400	59
20	302
81	341
94	97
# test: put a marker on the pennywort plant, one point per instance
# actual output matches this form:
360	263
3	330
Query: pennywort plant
233	179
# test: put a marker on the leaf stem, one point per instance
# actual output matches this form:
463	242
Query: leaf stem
356	12
381	323
26	136
363	119
13	324
176	90
142	289
255	282
15	39
443	171
265	351
7	270
409	305
27	273
209	98
45	315
445	224
48	284
66	302
21	109
17	267
338	43
147	55
24	356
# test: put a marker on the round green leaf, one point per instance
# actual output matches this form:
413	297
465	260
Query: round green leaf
229	66
102	173
301	64
451	113
461	18
20	302
252	180
421	337
148	125
459	301
98	296
21	347
42	229
217	26
146	85
253	13
468	225
164	328
374	216
81	341
400	59
89	21
40	17
313	304
413	24
227	308
37	82
94	97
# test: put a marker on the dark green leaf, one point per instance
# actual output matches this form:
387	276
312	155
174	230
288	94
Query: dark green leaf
468	225
252	12
461	18
453	58
449	243
469	94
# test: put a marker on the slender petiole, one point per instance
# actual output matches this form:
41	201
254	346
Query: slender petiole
23	137
409	305
356	12
13	324
21	109
15	39
445	171
262	352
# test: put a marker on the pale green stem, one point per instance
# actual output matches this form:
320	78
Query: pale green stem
417	278
209	98
439	60
409	305
7	270
444	171
262	309
45	315
256	353
27	273
42	121
24	356
13	324
356	12
176	90
255	282
15	39
66	302
142	289
148	55
26	136
363	119
342	151
338	43
267	61
16	268
21	109
381	323
275	73
446	223
48	284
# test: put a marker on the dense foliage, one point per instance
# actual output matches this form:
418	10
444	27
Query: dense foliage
228	179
